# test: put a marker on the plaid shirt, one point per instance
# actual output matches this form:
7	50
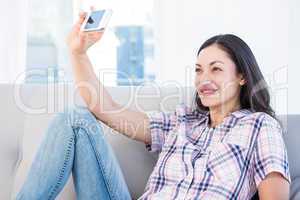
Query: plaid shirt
224	162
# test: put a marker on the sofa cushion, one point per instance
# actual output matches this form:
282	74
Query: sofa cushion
291	136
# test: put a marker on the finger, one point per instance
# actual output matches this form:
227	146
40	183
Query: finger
98	36
80	20
99	31
94	33
83	34
82	16
91	36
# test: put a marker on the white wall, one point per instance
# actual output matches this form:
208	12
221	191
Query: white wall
182	26
294	51
12	39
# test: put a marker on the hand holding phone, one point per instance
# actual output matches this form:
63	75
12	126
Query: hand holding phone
88	30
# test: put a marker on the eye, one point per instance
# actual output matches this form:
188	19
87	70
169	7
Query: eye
198	70
217	69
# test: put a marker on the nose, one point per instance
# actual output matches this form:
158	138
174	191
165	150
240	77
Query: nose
205	82
204	78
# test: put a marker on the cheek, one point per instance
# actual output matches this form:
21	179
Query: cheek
229	88
197	80
227	81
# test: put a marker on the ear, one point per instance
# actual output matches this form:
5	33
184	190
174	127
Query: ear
242	81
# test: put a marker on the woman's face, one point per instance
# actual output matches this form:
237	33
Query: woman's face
216	79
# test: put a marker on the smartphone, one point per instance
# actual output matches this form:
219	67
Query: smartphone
96	20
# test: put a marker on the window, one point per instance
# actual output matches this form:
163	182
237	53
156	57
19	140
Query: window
124	56
46	52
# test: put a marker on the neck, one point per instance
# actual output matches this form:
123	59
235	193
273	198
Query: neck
218	114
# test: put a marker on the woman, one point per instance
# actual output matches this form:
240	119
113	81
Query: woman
229	147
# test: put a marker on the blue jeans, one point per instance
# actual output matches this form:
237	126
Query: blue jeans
75	143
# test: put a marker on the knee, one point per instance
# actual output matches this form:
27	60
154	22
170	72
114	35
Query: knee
76	117
72	116
79	116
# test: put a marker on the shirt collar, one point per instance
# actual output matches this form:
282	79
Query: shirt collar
204	119
236	114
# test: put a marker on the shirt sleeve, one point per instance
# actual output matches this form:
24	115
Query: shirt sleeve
161	124
270	153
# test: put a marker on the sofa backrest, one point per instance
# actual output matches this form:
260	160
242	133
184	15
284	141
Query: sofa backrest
11	120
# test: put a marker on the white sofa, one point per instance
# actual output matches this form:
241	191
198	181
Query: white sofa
26	110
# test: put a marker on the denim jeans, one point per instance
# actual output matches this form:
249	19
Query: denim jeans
75	142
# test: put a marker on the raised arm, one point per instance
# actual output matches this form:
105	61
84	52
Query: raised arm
131	123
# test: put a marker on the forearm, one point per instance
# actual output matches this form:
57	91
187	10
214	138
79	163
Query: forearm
133	124
274	186
94	94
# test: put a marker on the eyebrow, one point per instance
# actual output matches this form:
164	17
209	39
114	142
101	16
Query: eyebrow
211	63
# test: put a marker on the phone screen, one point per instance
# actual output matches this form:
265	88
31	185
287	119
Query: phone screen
94	19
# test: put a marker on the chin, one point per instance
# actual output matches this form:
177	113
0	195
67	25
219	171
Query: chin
209	103
210	100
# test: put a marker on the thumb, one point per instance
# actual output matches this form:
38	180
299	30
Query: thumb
81	18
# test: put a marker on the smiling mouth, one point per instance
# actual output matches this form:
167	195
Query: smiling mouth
207	92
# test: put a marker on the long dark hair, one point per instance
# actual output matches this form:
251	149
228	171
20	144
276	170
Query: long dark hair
254	93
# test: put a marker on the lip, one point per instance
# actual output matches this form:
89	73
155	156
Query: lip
207	92
208	87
